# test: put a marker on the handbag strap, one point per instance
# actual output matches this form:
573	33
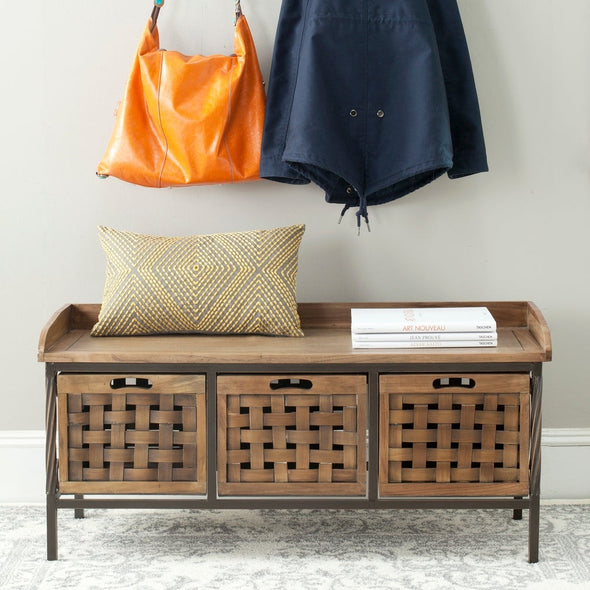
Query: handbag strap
159	3
237	11
155	12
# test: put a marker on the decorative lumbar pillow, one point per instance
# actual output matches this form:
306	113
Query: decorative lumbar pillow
232	283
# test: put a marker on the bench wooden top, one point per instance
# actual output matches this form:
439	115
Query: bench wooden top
523	336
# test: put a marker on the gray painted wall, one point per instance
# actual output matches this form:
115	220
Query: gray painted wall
518	232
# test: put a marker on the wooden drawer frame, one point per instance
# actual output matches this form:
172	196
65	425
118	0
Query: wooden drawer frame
132	433
291	435
454	435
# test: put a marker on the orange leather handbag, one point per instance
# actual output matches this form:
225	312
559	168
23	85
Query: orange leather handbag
189	119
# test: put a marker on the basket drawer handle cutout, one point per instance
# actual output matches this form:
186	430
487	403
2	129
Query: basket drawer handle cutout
122	382
443	382
297	383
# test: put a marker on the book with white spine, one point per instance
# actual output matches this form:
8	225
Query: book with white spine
427	337
421	320
425	344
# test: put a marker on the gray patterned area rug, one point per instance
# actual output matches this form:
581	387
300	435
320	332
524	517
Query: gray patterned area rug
288	549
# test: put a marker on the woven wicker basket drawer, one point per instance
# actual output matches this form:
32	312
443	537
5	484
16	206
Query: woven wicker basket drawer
454	435
292	435
132	433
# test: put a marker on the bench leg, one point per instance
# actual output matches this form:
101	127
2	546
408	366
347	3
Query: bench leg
79	512
51	489
535	477
534	530
517	512
51	528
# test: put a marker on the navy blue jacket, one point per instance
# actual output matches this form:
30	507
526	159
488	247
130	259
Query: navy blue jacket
371	99
469	152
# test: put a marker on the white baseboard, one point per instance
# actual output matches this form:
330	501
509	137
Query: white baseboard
22	464
565	456
564	474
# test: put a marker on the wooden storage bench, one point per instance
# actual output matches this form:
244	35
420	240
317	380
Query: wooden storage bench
252	421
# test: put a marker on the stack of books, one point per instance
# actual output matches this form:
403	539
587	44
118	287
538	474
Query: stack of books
423	327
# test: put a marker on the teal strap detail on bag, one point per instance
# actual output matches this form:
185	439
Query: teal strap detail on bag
155	12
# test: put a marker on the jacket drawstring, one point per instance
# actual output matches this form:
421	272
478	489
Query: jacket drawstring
362	212
344	210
